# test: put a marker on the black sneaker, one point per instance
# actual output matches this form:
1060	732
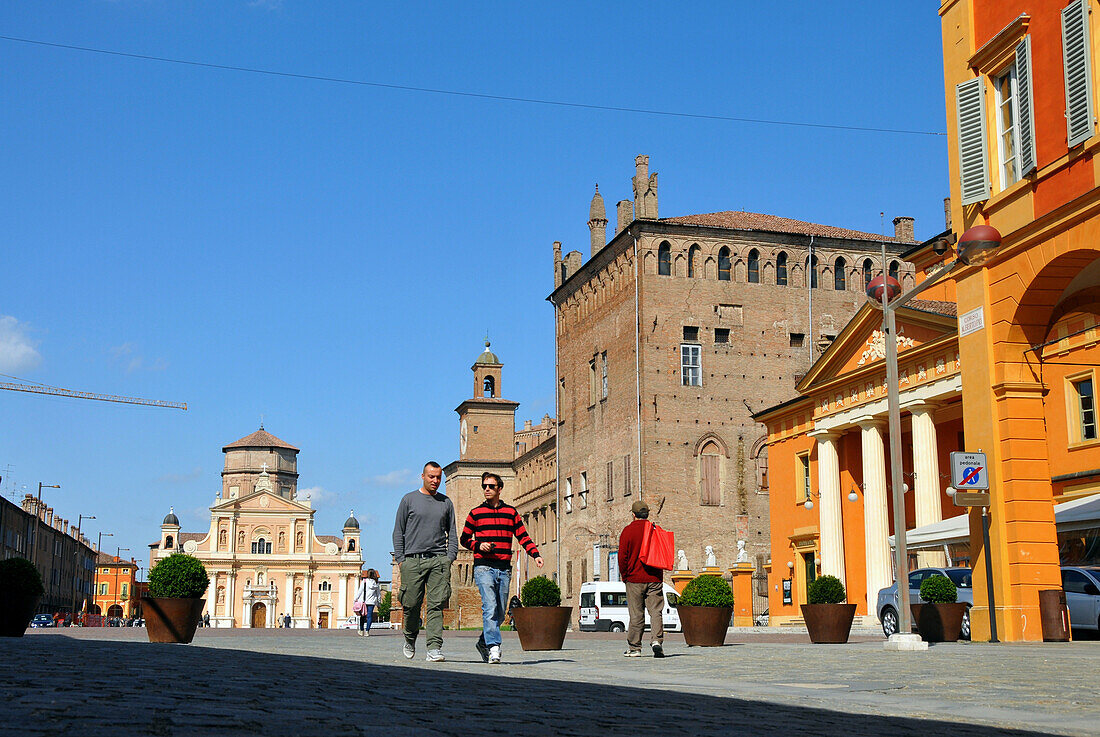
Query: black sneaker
483	650
658	651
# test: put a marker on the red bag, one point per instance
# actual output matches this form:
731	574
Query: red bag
658	548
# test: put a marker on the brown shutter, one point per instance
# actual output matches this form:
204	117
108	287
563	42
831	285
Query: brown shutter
709	482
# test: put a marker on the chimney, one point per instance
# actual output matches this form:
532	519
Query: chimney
947	213
903	229
597	223
526	424
559	275
624	215
645	190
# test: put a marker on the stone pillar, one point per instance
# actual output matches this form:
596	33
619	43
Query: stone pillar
231	596
341	598
926	483
212	597
289	604
741	578
307	600
876	526
680	579
829	517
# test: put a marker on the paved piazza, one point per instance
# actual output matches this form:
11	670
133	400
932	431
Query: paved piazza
766	682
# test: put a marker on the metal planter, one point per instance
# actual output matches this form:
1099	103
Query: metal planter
172	620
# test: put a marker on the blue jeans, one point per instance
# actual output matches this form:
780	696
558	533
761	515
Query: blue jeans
493	584
365	619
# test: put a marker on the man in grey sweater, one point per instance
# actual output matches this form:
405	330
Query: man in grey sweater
425	543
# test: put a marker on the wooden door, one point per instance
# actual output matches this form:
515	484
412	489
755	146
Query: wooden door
259	615
322	620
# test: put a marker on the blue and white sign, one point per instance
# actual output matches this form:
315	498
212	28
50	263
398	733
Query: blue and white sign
969	471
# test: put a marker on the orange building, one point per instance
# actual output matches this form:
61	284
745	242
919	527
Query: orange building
115	592
1020	80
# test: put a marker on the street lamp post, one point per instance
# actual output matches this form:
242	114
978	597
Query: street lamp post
38	517
975	246
80	519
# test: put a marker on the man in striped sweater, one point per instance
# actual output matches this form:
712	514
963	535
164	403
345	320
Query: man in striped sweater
488	532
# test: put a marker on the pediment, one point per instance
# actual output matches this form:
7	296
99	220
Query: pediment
862	343
261	501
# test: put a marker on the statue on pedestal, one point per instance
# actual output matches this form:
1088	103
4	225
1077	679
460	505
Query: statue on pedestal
712	561
682	561
742	555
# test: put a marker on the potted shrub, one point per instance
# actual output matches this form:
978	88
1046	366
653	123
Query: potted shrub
541	621
174	605
22	587
705	608
940	617
828	619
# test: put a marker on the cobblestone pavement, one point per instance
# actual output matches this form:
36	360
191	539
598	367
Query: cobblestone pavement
767	682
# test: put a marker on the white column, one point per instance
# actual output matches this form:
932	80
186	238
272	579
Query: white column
927	481
340	601
289	602
829	516
231	595
876	526
212	596
307	600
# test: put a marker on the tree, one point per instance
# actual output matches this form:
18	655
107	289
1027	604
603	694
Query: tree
384	607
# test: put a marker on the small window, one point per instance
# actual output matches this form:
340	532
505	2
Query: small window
626	475
325	586
691	366
721	335
693	259
261	546
781	269
1008	114
103	589
691	333
811	267
664	259
610	481
125	590
1084	399
724	264
754	266
584	490
797	340
802	476
603	373
168	541
568	495
592	383
866	273
894	266
840	281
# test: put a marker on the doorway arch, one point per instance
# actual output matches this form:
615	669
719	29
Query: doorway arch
259	616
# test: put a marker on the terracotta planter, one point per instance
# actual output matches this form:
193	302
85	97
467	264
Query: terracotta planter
829	623
541	627
16	614
939	622
705	626
172	620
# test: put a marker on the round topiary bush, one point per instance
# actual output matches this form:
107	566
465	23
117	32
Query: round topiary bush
825	590
540	591
707	591
19	577
939	589
178	576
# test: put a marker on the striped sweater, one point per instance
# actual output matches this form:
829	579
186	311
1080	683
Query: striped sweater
485	524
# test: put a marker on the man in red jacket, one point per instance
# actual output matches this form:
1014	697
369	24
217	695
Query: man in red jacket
644	585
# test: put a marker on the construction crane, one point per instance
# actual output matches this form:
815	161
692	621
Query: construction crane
36	388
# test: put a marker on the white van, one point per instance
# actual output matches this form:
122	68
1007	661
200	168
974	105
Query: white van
603	608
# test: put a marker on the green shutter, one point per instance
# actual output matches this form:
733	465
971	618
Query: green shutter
1026	125
973	157
1075	56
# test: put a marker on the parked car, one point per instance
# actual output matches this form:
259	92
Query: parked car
887	606
351	623
1082	587
42	620
603	608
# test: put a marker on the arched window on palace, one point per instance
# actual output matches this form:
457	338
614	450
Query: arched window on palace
489	386
325	586
781	269
261	546
840	280
811	267
664	259
866	273
894	269
710	493
754	266
724	264
693	260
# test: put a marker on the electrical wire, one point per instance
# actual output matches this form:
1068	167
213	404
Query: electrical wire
476	95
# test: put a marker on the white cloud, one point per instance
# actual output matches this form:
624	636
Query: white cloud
319	496
126	355
394	479
17	350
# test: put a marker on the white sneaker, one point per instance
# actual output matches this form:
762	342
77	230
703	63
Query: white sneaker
435	656
494	654
366	633
409	650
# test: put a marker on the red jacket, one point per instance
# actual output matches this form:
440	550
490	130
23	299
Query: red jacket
631	569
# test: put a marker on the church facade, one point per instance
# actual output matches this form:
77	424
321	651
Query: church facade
262	554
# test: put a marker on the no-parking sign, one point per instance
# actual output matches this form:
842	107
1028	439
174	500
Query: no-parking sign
969	471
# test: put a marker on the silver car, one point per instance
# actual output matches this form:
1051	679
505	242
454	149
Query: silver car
887	606
1082	587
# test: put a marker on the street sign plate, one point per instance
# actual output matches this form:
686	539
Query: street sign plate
969	471
972	499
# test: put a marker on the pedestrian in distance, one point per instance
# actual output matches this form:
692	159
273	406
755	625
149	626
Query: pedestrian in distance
367	596
287	621
425	544
644	586
206	619
488	532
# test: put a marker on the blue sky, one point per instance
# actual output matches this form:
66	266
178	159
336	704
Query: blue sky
330	256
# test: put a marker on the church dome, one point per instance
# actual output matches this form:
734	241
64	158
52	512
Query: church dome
351	522
171	518
488	357
596	211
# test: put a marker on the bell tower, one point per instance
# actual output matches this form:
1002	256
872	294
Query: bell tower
487	423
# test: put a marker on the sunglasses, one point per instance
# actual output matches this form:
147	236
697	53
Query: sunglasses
490	486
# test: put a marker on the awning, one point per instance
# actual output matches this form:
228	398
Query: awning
1078	514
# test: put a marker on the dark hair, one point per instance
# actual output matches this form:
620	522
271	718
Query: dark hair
491	475
641	515
430	464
